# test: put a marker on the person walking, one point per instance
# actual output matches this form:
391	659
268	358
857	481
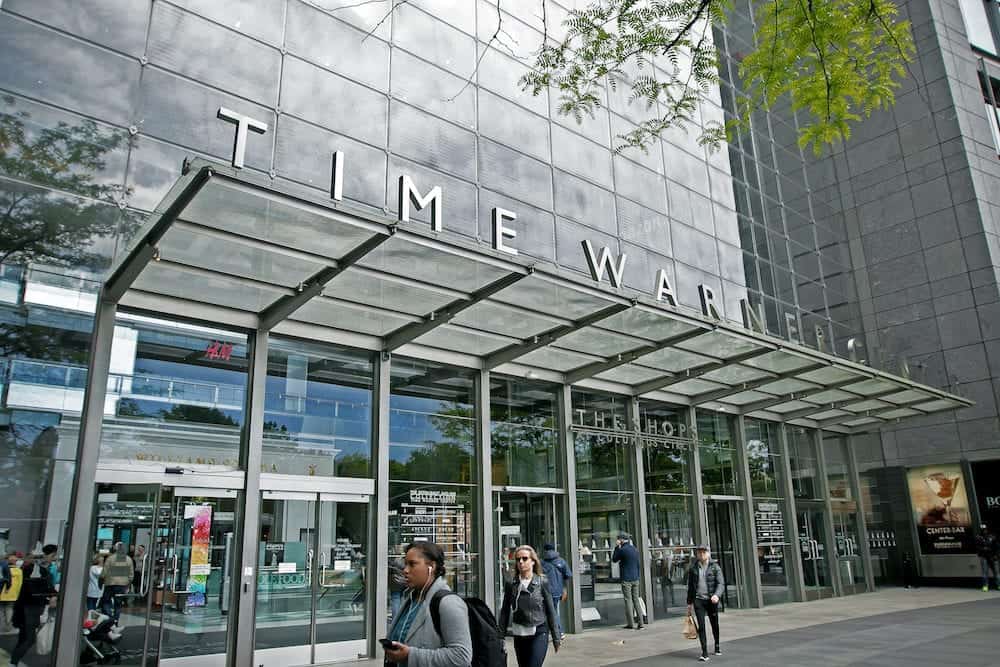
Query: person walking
413	640
557	572
9	591
118	572
139	560
705	586
95	582
988	550
627	557
37	593
528	610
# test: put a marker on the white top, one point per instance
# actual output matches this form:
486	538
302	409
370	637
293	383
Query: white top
522	630
94	588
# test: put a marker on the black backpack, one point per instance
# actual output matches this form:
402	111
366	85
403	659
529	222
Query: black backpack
488	648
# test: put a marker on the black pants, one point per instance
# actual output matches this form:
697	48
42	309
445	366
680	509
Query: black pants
704	608
26	634
530	651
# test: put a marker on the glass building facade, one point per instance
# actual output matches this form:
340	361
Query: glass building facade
273	476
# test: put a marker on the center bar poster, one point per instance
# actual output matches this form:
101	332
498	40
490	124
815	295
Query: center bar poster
941	509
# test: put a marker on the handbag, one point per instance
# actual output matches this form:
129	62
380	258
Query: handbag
690	627
46	633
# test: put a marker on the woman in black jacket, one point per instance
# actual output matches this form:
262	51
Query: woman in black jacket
527	610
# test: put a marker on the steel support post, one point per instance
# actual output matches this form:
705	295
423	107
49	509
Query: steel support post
755	593
697	494
793	559
378	538
242	623
855	480
831	539
484	460
574	618
642	538
76	558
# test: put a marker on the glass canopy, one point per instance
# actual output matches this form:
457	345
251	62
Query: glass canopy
226	244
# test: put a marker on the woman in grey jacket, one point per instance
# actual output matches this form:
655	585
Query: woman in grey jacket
528	611
415	642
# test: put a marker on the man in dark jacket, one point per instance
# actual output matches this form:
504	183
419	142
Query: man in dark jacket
705	589
988	550
627	557
556	573
37	593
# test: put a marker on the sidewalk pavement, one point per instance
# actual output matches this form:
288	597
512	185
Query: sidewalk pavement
610	646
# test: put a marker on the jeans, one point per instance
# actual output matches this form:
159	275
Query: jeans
630	589
110	605
556	599
26	634
92	603
989	565
395	601
530	651
701	609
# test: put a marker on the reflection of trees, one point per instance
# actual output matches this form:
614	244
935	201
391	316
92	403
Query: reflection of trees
27	467
37	224
198	414
448	458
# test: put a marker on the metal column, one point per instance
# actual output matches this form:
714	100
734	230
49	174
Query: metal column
642	542
76	561
484	460
242	624
697	494
755	593
793	560
574	622
855	480
831	538
378	585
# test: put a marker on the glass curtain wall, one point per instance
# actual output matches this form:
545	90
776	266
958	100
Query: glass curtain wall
810	512
432	468
604	500
717	454
769	508
669	512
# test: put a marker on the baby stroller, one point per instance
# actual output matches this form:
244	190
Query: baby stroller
99	639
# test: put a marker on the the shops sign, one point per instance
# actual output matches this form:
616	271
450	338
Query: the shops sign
603	264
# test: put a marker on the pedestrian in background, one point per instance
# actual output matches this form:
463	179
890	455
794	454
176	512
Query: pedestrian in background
988	550
627	557
95	582
557	572
9	591
37	593
528	610
118	572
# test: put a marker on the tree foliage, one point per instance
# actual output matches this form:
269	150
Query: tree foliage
835	61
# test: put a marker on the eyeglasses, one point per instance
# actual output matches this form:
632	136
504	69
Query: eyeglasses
520	558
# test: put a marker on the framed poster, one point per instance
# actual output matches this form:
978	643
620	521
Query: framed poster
941	509
986	475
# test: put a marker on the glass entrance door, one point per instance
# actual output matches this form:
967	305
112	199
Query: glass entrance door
311	566
849	562
811	523
172	609
522	518
725	531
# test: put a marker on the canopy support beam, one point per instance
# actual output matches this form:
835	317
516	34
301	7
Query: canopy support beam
598	367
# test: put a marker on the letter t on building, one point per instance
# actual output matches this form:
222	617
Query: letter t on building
243	123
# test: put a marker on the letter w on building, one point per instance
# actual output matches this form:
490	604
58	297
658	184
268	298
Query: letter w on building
601	263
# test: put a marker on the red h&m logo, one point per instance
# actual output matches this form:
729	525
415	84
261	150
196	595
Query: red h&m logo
220	351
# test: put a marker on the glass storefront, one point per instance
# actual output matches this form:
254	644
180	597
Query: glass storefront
717	454
432	451
604	501
769	507
669	505
845	517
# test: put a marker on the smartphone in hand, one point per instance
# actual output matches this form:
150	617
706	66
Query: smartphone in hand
387	644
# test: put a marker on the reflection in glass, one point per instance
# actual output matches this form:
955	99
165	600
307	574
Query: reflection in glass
602	517
671	550
431	423
524	434
835	457
804	463
717	454
763	458
317	418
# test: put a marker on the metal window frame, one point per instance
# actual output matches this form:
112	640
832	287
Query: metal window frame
698	371
590	370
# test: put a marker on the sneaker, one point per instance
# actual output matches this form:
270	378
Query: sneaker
628	627
703	658
718	651
986	589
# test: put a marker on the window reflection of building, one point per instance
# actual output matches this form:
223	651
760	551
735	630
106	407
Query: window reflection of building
769	508
432	441
717	454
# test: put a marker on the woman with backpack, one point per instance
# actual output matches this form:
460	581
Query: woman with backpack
413	638
528	612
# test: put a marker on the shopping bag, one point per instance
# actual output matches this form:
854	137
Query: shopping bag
690	627
46	634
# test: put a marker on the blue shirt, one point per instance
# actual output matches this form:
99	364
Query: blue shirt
628	557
